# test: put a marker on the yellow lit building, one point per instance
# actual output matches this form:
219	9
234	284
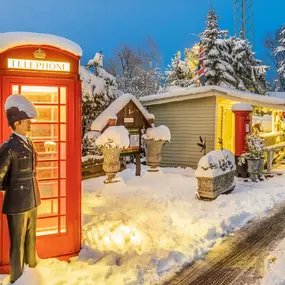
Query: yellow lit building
206	111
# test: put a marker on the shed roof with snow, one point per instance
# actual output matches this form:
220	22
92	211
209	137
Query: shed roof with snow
115	107
14	39
210	91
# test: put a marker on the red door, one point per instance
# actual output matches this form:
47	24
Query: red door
54	137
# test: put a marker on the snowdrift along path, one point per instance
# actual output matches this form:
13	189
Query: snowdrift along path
240	258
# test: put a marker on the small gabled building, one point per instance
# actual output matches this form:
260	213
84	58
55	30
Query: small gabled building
129	112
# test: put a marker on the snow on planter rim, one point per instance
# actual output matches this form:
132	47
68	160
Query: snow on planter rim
213	158
14	39
115	136
158	133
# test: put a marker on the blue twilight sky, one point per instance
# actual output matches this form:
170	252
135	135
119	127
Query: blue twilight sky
106	24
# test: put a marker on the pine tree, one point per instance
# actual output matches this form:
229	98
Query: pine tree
280	56
178	72
249	72
218	61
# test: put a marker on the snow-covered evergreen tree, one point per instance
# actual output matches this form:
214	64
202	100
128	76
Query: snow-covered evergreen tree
249	72
178	72
99	90
218	61
280	56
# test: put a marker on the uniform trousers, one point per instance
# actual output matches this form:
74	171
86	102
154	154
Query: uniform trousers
22	231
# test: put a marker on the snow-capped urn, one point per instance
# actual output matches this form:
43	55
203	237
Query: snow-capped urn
114	137
215	174
157	133
215	163
154	139
111	142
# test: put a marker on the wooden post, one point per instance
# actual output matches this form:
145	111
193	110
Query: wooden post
138	164
270	155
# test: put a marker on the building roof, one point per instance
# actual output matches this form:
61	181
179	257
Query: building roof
208	91
115	107
276	94
14	39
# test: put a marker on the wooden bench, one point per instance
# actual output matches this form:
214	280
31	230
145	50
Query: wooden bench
270	154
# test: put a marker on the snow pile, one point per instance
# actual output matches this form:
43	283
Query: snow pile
49	143
98	82
110	113
143	228
92	135
215	163
23	104
97	60
115	136
242	107
13	39
157	133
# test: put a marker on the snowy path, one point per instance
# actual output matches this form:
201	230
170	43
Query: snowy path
240	258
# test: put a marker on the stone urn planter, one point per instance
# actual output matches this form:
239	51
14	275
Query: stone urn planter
211	187
153	154
215	174
253	168
154	139
111	164
111	142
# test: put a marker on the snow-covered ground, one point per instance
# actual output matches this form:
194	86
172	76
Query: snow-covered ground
144	228
274	266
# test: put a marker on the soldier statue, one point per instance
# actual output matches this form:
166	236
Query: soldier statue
19	183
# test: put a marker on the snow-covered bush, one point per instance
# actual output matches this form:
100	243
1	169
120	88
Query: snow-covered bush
179	72
114	137
215	163
157	133
99	90
255	148
89	148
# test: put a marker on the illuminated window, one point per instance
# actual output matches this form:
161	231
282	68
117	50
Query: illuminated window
49	135
15	89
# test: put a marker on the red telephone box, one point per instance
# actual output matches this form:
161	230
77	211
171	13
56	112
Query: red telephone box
242	128
47	74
